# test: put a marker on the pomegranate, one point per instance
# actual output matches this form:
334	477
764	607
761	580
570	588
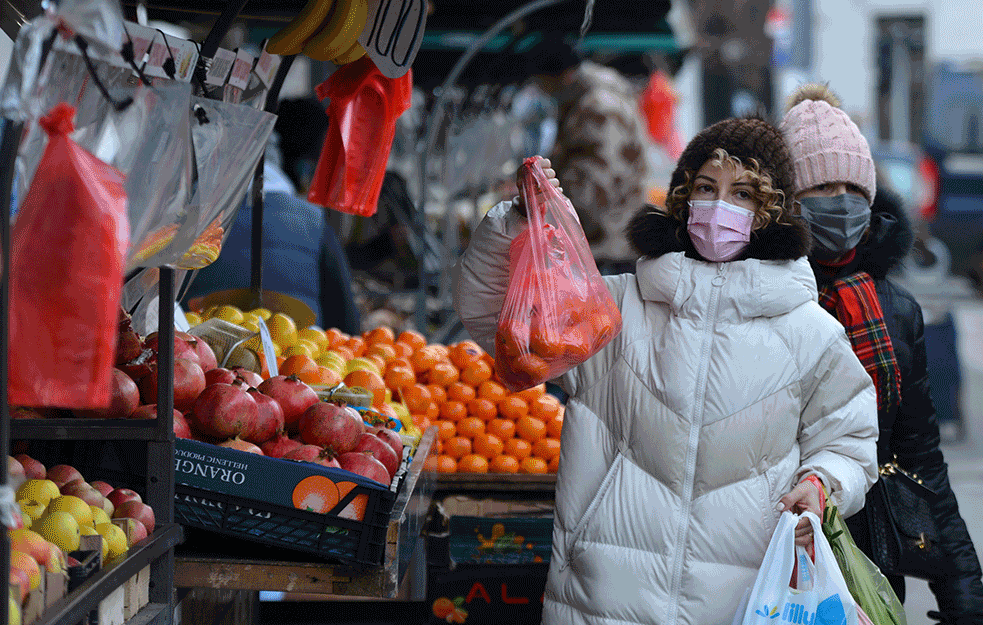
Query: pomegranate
103	487
332	426
139	511
315	454
219	375
279	445
381	450
293	395
139	367
251	377
206	357
241	445
366	465
118	496
223	411
33	469
128	346
189	382
392	437
184	346
62	474
181	427
124	399
269	418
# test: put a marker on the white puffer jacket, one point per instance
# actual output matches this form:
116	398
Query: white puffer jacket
727	385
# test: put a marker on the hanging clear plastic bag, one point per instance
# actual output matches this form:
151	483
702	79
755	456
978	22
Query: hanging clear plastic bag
871	590
557	311
228	139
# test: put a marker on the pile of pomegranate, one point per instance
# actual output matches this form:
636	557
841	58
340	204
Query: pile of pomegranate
281	417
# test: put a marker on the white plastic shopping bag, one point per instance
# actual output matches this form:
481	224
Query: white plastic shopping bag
826	601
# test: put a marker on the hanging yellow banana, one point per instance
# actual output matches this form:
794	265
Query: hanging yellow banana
290	39
350	55
347	20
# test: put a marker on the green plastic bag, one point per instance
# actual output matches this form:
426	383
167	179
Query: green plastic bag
869	587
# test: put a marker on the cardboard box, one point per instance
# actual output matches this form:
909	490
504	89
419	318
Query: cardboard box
463	505
487	594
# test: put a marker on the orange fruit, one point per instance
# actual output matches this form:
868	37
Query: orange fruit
398	377
416	397
464	353
533	464
553	465
383	350
554	426
443	607
437	393
459	391
518	448
545	342
530	428
470	427
424	359
376	359
444	374
482	408
443	352
433	410
446	429
457	447
403	350
323	376
345	351
441	463
412	338
381	334
602	326
421	421
513	407
357	345
577	342
533	366
453	410
545	407
532	393
476	373
503	464
335	337
369	380
472	463
492	390
546	448
502	428
488	445
295	365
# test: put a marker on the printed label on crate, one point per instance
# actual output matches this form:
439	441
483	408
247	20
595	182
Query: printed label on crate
269	353
480	595
483	540
220	67
239	78
267	66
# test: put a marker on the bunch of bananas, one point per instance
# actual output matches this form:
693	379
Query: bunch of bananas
325	30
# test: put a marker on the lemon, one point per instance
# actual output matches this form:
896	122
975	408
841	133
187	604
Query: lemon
28	521
115	537
99	516
315	335
298	349
331	360
31	512
38	492
251	317
13	611
282	328
60	528
263	313
230	313
74	506
193	318
358	363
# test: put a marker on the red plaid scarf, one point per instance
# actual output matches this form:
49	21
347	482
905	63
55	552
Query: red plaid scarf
853	301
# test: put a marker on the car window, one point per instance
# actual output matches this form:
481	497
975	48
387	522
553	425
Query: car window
954	115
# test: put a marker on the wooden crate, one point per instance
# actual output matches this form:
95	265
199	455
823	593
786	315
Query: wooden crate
110	610
136	593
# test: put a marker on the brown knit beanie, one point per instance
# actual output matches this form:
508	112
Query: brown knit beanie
745	138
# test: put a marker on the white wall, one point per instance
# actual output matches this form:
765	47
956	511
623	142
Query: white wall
6	46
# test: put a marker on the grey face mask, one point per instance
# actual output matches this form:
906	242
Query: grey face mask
837	223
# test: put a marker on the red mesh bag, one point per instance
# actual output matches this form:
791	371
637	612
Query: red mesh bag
557	312
68	247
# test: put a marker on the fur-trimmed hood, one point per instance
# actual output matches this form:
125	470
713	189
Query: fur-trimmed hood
885	245
654	233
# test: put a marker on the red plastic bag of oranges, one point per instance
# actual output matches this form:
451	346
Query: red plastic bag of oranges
557	312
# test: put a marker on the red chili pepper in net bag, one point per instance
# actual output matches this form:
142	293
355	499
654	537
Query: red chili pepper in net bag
68	248
557	311
362	117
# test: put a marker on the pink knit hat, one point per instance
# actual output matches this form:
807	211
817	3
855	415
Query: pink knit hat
826	145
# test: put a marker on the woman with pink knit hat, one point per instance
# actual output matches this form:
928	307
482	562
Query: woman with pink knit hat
856	242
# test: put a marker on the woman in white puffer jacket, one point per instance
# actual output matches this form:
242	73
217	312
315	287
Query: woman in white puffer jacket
729	395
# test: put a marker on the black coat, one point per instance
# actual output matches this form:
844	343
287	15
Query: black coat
912	432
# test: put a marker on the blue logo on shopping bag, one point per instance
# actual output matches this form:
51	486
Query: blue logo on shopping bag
829	612
767	612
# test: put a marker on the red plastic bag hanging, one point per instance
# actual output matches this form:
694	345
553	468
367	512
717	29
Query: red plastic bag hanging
68	247
557	312
362	116
658	104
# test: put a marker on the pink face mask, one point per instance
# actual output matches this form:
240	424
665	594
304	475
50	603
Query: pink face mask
719	231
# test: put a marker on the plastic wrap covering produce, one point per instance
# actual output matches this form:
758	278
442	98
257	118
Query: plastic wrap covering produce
364	105
557	311
229	140
66	269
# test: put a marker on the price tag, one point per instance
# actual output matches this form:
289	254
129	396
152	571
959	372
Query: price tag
220	68
393	34
183	52
268	351
243	64
267	66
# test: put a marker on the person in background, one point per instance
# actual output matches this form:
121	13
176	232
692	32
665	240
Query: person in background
713	410
859	235
302	256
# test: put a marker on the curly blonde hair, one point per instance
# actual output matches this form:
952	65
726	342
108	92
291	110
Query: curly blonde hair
774	204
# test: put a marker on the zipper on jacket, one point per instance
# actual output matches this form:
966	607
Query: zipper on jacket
592	508
694	441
